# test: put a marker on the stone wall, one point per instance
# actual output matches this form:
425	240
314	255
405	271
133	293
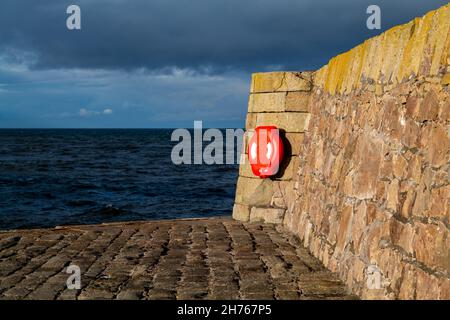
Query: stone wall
366	182
275	98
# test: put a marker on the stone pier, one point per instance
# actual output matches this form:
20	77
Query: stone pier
215	258
366	179
364	188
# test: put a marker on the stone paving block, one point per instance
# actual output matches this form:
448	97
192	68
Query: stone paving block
215	258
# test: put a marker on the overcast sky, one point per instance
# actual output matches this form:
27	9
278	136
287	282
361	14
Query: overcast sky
166	63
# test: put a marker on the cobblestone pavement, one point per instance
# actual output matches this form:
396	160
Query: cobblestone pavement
177	259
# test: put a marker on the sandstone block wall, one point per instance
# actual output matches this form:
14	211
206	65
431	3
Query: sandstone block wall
275	98
367	182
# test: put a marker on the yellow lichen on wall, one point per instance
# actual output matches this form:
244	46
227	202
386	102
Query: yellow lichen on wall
280	82
440	40
418	48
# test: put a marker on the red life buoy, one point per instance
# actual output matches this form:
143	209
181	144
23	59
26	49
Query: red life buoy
265	151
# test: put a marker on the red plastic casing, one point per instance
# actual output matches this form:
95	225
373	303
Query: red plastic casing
265	151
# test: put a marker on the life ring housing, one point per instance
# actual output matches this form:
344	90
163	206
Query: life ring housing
265	151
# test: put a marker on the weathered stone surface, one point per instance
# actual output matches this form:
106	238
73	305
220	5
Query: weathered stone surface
429	109
403	235
427	286
392	195
298	101
438	142
284	194
250	122
245	170
367	157
267	102
408	284
254	191
431	246
288	168
288	121
412	106
344	233
268	215
295	143
180	259
280	81
315	285
446	79
439	202
241	212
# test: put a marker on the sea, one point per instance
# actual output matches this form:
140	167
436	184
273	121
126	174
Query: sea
55	177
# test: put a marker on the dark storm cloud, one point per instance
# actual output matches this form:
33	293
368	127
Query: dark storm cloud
202	35
166	63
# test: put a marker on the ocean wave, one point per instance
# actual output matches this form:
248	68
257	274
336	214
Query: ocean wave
57	177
